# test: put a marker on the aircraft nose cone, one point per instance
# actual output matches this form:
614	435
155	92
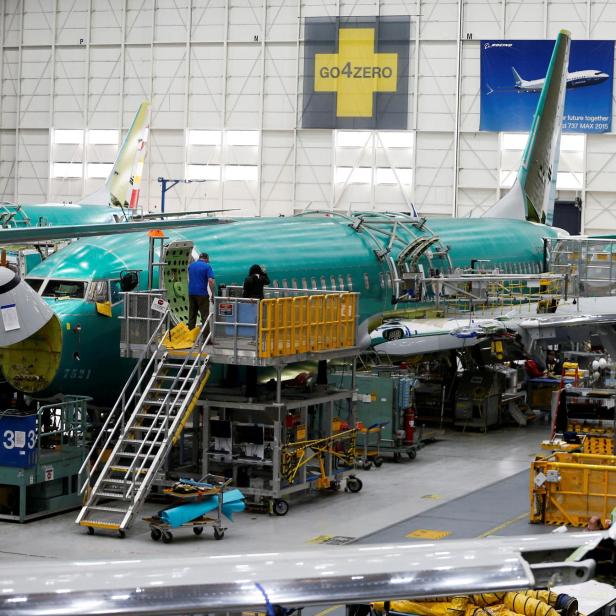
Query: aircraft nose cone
22	311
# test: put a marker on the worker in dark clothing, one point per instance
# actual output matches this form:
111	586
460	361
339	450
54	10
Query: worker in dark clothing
255	281
200	280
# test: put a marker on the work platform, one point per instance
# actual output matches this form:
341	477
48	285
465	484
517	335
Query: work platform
287	326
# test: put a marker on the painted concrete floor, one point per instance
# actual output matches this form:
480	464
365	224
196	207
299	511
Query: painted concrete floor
457	464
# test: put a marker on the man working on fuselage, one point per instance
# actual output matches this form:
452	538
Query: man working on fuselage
200	279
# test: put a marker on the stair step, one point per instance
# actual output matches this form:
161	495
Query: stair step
118	468
119	481
117	495
128	454
98	524
164	391
108	509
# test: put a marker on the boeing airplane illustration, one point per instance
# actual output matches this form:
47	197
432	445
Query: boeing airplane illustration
577	79
77	351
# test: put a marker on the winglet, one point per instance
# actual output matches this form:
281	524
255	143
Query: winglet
529	197
122	185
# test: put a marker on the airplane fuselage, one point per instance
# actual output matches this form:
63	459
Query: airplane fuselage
577	79
301	252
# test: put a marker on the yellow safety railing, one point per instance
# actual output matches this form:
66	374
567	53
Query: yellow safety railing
305	323
569	488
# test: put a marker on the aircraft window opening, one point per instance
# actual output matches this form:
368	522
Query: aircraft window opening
275	284
304	283
35	283
116	292
75	289
366	282
332	280
285	285
349	282
323	283
341	282
381	280
313	282
294	283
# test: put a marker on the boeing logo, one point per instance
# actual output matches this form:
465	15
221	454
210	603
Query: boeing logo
577	79
490	45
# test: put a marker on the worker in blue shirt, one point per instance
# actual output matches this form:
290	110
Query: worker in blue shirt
200	279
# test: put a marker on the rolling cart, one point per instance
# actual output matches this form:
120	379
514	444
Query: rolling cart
371	437
188	493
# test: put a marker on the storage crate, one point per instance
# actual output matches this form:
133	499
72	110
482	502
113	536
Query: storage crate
17	439
569	488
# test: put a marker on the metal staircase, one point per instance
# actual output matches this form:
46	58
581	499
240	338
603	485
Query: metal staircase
145	422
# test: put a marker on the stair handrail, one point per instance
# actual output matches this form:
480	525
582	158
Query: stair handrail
197	348
121	403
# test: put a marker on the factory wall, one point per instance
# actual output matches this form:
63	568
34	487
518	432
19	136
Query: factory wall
225	80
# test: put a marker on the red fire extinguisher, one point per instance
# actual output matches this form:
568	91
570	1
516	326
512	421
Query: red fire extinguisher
409	424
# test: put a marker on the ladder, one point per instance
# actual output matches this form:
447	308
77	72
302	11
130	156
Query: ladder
143	426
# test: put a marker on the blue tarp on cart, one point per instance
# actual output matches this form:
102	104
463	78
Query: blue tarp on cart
233	502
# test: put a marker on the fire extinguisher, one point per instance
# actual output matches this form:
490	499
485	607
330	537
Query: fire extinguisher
409	424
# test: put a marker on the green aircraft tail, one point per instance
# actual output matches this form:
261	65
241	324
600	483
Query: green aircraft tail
122	186
532	194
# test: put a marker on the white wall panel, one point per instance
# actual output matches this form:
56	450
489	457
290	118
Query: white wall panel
12	22
139	21
439	20
484	19
69	87
107	22
7	164
208	20
434	172
72	22
238	65
568	14
104	87
38	24
10	88
436	89
602	19
171	21
525	19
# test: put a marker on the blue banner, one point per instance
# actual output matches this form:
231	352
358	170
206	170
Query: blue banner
512	75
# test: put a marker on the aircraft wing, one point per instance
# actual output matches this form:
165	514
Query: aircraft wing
60	232
322	575
565	328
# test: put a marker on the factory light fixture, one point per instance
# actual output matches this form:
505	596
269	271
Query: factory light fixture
67	136
241	173
99	170
513	141
67	170
350	175
397	139
203	172
204	137
387	175
103	137
352	138
242	137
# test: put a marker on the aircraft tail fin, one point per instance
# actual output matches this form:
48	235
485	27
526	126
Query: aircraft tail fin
531	196
516	76
122	186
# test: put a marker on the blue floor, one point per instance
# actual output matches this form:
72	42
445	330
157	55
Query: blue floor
501	508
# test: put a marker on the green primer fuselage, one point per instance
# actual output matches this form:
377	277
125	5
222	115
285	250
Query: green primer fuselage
56	214
294	250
